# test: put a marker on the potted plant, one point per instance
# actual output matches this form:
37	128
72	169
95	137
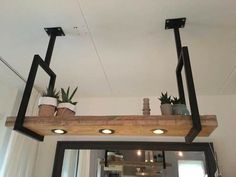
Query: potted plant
179	108
166	107
66	106
48	102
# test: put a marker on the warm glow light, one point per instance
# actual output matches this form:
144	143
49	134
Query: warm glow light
159	131
139	152
106	131
59	131
180	153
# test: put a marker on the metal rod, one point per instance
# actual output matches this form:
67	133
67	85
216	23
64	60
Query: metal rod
164	159
26	95
180	87
179	66
12	69
106	156
19	123
197	127
50	48
177	41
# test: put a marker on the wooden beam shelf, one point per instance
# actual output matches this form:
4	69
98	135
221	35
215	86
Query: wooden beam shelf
129	125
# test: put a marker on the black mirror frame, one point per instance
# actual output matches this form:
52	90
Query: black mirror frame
207	148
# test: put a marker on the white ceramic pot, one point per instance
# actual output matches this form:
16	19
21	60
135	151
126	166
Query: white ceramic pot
47	101
47	106
166	109
65	109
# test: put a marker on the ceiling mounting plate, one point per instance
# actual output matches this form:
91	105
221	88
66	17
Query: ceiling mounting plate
175	23
57	31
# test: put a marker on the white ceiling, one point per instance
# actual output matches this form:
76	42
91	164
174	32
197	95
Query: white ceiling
120	47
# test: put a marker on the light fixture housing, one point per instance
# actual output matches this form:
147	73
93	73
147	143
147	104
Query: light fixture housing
59	131
106	131
159	131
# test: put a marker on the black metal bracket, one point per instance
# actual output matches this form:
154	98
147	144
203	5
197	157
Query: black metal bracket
184	62
37	62
175	23
164	159
53	33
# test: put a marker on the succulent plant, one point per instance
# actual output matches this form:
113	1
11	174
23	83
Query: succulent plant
165	99
66	97
51	92
176	100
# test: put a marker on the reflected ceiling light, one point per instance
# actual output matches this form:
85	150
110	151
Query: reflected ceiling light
139	152
106	131
180	153
59	131
159	131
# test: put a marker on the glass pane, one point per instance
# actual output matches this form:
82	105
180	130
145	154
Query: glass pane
137	163
193	168
70	163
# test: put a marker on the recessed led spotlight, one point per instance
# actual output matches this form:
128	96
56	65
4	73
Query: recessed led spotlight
159	131
106	131
139	152
180	153
59	131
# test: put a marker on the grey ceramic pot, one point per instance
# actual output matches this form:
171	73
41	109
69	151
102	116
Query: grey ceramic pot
180	109
166	109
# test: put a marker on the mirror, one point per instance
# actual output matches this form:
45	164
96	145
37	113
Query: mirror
70	163
188	160
134	163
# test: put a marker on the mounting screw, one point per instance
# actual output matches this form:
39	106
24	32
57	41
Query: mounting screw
167	21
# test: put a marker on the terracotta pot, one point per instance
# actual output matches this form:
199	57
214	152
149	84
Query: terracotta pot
65	109
166	109
47	106
180	109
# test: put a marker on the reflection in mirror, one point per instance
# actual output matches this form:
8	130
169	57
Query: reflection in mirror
70	163
133	163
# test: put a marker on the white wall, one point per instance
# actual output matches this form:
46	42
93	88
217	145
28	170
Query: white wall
7	103
10	98
223	137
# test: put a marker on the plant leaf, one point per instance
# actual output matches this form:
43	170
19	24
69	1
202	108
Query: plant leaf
73	93
63	95
68	91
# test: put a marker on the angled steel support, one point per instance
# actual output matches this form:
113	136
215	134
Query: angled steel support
44	64
197	127
53	33
184	62
175	24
